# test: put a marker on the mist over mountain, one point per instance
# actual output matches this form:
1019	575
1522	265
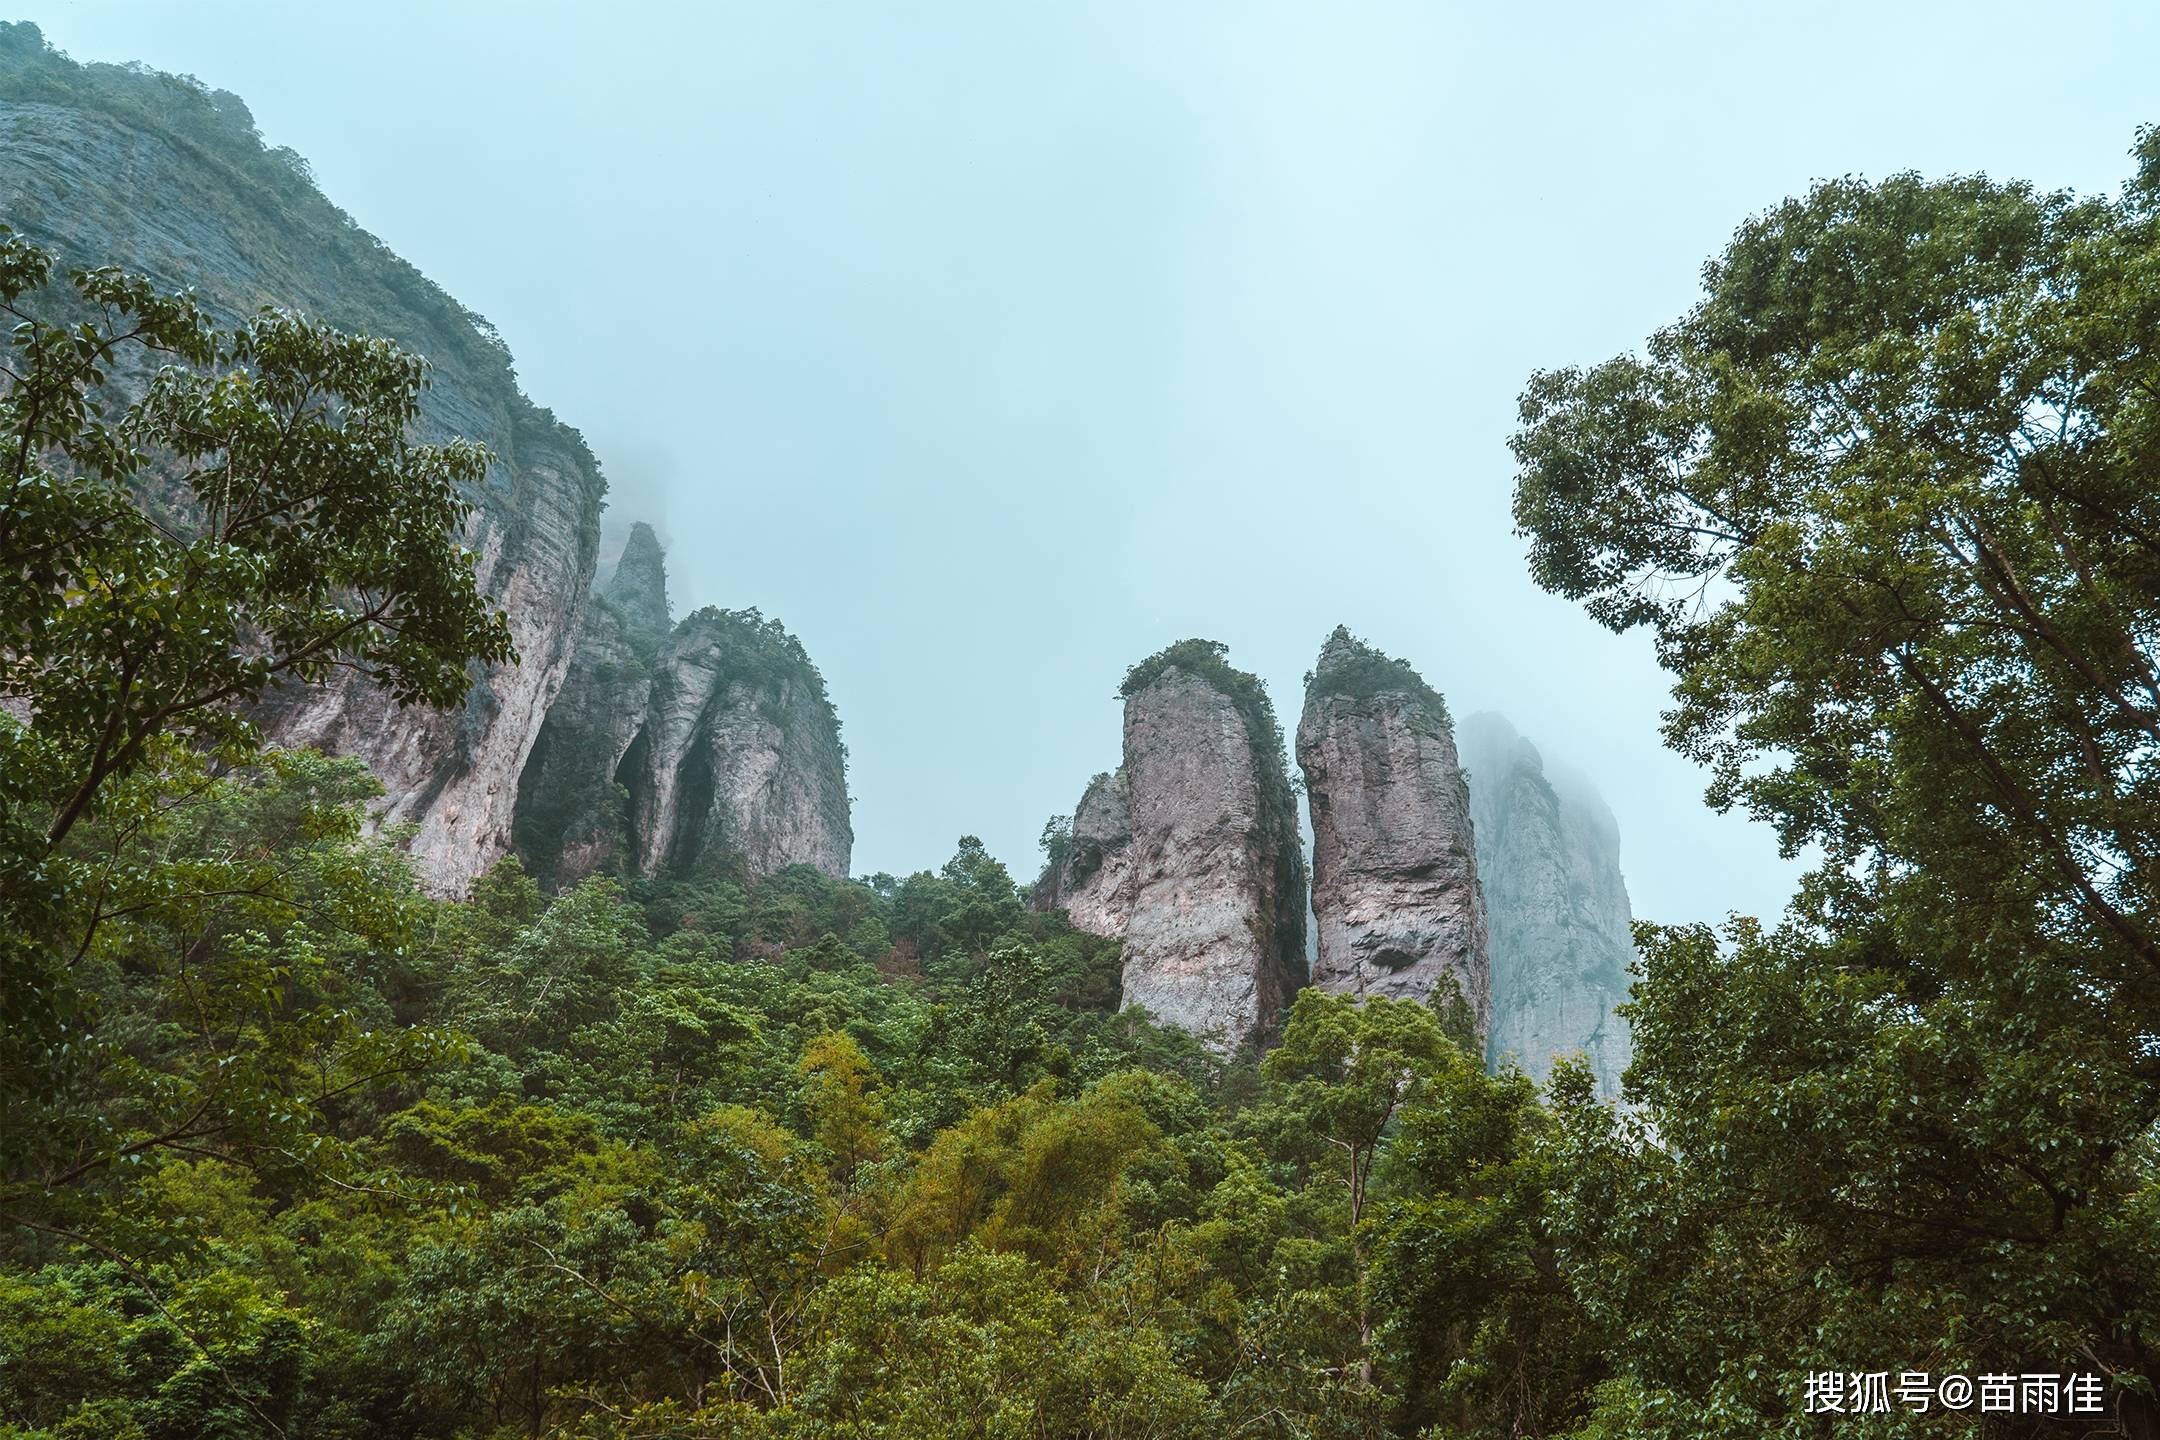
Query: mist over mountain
509	934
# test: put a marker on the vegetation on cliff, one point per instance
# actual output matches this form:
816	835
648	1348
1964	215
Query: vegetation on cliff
763	654
1349	667
1886	500
218	133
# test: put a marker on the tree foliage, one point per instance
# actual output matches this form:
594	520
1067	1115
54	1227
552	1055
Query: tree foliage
1359	671
179	540
1885	500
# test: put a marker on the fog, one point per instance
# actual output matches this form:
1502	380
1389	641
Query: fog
992	347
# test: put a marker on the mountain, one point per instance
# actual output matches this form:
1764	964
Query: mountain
1395	875
1548	853
739	754
1474	867
735	743
1189	851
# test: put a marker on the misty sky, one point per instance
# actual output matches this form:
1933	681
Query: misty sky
994	346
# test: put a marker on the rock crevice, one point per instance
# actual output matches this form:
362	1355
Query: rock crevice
572	804
711	744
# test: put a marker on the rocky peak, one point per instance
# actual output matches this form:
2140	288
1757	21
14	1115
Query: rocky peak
1395	877
1342	653
1548	853
1190	850
739	759
638	585
112	165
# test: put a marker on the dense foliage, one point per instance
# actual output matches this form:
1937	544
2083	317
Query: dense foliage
810	1157
1887	501
292	1149
177	542
1352	668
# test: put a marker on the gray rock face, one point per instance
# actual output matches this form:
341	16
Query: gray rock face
1190	852
664	749
110	166
1395	873
637	587
1092	881
739	756
572	809
1214	934
1548	852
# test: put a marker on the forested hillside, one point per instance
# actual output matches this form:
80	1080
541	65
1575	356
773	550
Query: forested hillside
817	1157
295	1146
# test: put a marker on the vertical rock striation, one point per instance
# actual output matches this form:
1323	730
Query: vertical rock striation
113	165
712	743
572	812
1548	852
739	759
1395	872
1190	851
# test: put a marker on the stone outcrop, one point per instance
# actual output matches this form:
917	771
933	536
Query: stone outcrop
1090	875
573	808
637	586
738	760
110	165
711	743
1202	875
1395	878
1548	853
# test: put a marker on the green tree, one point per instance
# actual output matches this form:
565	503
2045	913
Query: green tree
1886	499
985	1348
239	994
1342	1075
178	540
1482	1334
840	1096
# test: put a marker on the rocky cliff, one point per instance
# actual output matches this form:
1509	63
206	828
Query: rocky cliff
738	759
1089	876
711	742
573	806
1190	851
109	164
1548	853
1395	875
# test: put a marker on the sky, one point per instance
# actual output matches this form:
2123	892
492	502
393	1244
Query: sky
993	347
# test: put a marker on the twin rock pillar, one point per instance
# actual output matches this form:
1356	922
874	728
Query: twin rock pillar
1190	851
